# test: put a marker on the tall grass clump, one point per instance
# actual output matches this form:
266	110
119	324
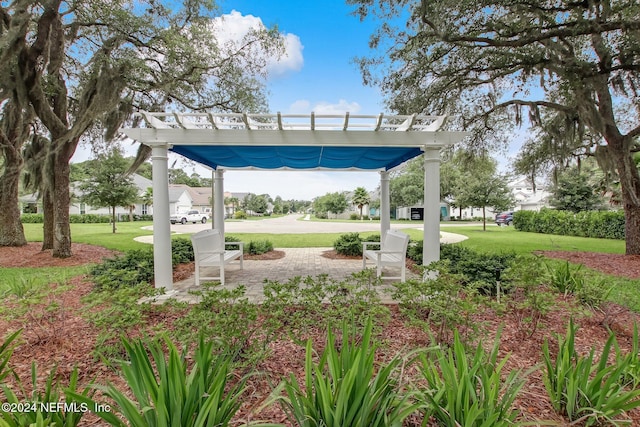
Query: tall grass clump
586	391
468	391
166	392
345	387
53	404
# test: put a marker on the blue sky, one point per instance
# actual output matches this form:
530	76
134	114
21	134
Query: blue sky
317	74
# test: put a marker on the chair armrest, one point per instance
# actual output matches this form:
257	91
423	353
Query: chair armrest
240	245
365	244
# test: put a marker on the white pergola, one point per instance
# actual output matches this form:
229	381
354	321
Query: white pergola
342	142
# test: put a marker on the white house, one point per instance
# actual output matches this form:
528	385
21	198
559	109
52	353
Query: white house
31	203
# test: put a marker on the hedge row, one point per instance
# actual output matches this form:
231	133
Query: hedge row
30	218
599	224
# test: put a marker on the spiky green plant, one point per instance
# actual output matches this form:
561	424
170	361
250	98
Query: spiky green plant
51	405
345	387
166	393
6	350
468	391
585	390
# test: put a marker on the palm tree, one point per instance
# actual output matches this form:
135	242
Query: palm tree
360	198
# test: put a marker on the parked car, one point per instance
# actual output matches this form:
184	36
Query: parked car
191	216
504	218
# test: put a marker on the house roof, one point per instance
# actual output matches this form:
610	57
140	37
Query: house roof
176	191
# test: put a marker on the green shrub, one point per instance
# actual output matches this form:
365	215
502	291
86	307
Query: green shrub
240	215
226	316
477	267
442	302
463	391
89	219
353	217
131	269
415	249
584	390
181	251
258	247
349	244
31	218
171	390
298	305
528	299
346	387
596	224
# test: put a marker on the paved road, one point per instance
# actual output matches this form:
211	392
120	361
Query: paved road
293	224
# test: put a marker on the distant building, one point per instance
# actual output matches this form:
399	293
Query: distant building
31	203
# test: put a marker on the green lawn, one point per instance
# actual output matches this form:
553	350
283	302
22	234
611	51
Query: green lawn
509	239
99	234
505	239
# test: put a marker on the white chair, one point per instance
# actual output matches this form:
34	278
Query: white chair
392	253
209	250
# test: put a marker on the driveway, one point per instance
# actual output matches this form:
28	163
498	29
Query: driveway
294	225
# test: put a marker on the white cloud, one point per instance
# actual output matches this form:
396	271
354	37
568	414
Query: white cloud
291	59
303	106
231	28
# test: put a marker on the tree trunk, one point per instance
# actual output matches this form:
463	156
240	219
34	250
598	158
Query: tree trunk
11	230
484	218
62	200
630	186
113	219
47	214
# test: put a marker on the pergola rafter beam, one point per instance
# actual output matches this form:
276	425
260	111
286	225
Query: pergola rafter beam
292	142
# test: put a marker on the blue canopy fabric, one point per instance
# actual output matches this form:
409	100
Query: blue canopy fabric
297	157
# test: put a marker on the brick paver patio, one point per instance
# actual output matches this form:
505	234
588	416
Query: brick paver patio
296	262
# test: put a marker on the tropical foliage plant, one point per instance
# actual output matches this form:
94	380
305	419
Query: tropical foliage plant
468	391
345	387
584	389
169	390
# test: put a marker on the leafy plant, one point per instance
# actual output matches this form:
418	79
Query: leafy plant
585	390
566	278
442	302
50	407
356	297
468	391
165	392
529	300
295	305
181	251
349	244
6	350
631	361
131	269
258	247
114	313
345	388
299	305
227	317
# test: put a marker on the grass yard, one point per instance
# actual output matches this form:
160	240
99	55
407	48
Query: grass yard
93	323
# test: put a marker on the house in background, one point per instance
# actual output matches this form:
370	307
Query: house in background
526	199
31	203
180	200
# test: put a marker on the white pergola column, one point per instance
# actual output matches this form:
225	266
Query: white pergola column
162	268
431	243
218	201
385	216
